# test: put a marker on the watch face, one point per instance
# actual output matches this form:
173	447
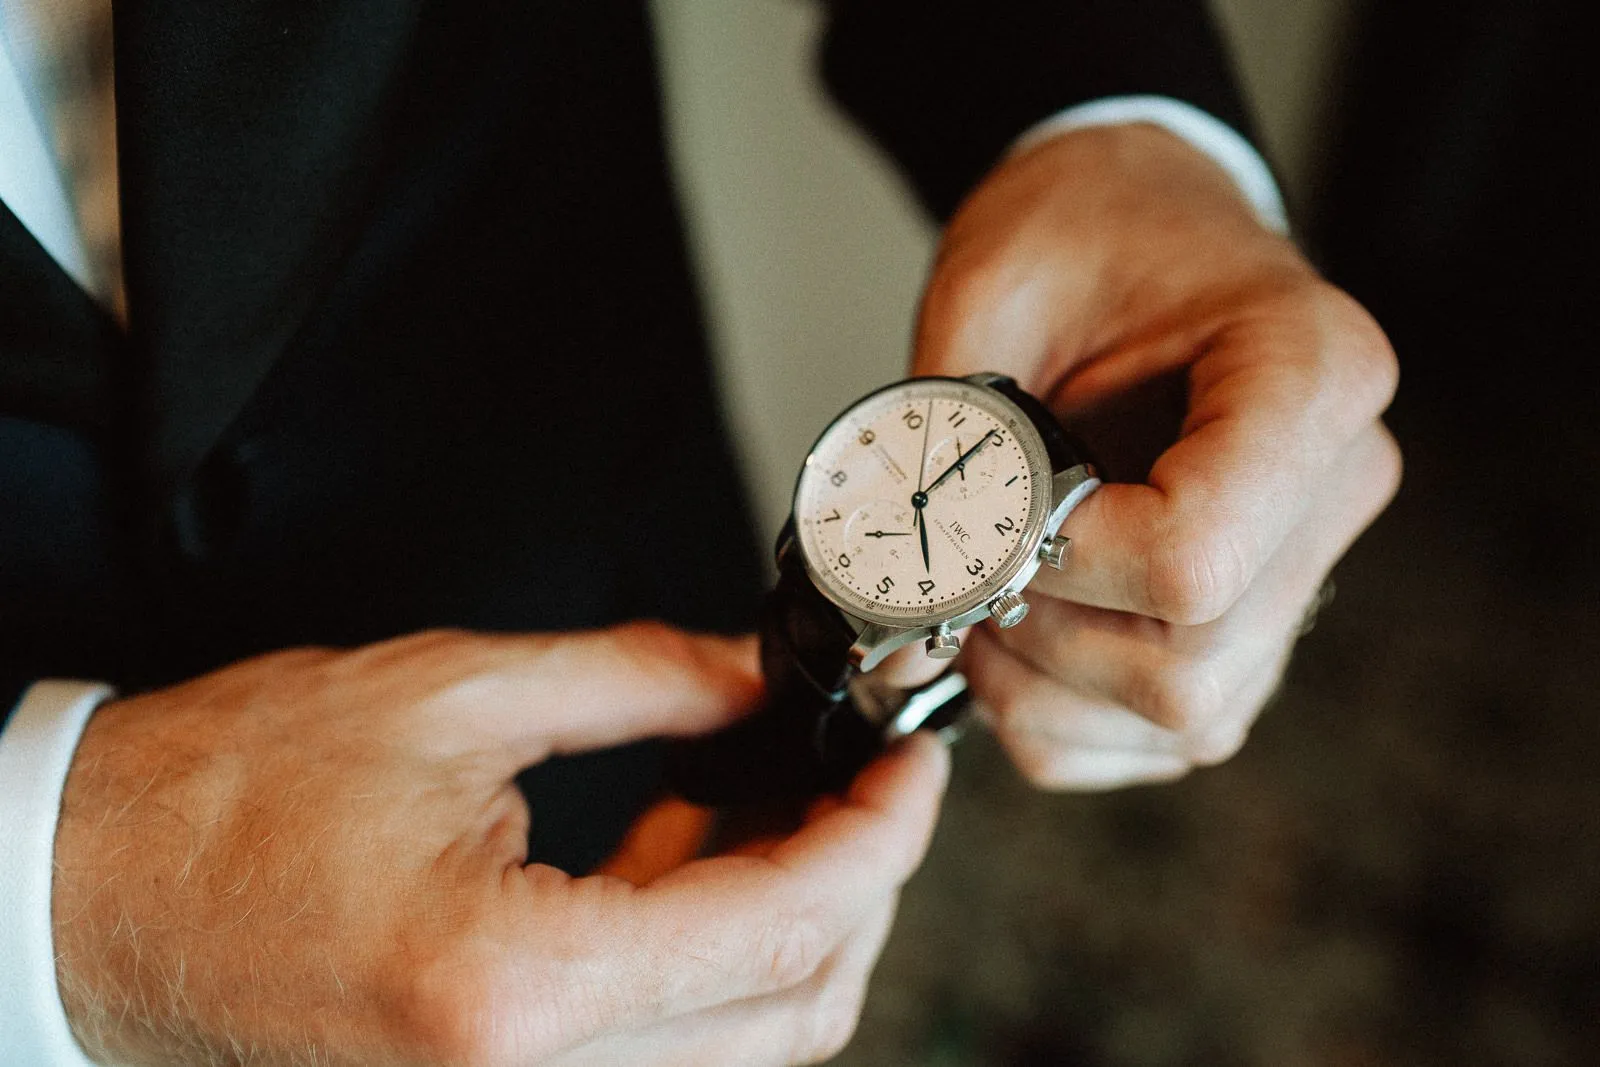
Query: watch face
921	501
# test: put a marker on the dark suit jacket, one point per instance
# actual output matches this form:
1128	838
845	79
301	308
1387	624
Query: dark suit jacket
414	340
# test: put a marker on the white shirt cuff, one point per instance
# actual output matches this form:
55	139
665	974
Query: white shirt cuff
36	748
1210	135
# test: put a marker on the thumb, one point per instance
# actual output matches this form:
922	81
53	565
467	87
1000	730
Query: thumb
548	695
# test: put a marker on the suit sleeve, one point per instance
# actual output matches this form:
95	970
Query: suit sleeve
945	86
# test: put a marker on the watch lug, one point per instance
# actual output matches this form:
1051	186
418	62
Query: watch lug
875	642
1068	489
786	540
987	378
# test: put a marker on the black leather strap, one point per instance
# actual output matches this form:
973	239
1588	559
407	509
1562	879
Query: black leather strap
805	643
808	739
1065	450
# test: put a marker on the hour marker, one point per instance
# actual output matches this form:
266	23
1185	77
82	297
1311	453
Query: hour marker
956	418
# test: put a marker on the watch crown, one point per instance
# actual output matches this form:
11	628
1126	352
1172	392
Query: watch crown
943	644
1008	609
1054	551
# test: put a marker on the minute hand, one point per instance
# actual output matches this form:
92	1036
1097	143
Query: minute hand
960	460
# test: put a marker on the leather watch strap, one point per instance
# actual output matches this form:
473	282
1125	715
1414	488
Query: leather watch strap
1065	450
807	739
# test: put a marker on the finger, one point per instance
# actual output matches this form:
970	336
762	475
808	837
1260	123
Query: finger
1021	699
527	697
1061	738
883	827
1206	683
1176	674
1275	400
668	835
809	1023
1048	764
734	927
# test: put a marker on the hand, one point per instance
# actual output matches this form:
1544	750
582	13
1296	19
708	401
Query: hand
318	857
1089	268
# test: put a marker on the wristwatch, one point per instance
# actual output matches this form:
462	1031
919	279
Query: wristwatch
925	507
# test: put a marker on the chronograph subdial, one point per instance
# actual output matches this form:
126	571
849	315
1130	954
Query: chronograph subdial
880	532
974	477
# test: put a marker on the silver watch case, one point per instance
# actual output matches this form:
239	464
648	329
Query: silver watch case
875	641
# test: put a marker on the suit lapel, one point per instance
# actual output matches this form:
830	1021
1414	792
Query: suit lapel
250	136
57	345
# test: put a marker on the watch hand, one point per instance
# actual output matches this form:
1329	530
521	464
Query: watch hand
960	463
922	469
922	464
922	528
885	533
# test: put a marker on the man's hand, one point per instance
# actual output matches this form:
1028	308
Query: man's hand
1090	267
319	857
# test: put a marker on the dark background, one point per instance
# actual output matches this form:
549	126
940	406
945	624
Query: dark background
1403	865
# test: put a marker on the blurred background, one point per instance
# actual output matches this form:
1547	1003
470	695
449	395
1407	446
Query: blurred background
1403	866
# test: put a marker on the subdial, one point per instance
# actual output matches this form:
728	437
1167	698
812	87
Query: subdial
881	531
974	476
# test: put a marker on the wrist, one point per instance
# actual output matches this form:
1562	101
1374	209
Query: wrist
124	823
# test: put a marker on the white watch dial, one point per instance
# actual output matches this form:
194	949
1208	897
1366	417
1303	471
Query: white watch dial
921	501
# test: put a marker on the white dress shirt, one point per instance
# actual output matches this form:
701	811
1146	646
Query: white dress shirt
58	176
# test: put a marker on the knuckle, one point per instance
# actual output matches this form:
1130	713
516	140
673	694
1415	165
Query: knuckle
828	1032
1219	744
1004	707
791	951
438	641
1390	466
1368	357
825	1027
452	1012
1184	698
1195	577
655	636
1038	763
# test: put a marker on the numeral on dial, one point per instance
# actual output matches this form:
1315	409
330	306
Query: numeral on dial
835	517
839	478
886	585
975	567
867	437
1006	526
844	560
926	585
913	419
